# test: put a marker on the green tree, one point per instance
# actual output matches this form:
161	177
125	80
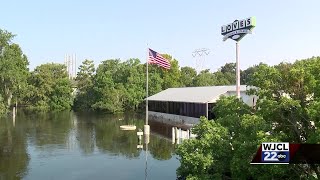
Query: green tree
246	75
84	76
292	94
287	111
155	79
200	158
226	75
172	76
50	88
205	78
13	69
119	86
187	76
224	79
109	95
134	83
229	68
84	81
224	148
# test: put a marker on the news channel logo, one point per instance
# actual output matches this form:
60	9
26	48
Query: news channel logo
275	153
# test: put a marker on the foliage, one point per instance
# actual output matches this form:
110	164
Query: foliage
84	79
199	155
115	86
13	69
50	88
108	94
246	75
287	111
118	86
205	78
226	75
171	77
84	76
187	76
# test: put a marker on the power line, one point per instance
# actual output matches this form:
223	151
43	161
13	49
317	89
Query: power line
200	55
200	52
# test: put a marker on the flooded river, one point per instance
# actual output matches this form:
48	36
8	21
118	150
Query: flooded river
67	145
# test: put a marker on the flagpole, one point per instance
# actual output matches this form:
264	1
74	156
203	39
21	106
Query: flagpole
146	126
147	89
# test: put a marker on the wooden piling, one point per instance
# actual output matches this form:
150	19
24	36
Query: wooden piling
173	135
14	116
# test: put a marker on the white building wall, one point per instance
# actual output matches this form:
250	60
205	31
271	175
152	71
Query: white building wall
248	99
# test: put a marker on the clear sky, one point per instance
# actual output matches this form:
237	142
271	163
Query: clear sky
46	30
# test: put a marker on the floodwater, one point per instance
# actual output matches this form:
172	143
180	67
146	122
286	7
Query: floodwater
67	145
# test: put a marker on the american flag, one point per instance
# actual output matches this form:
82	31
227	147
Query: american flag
156	58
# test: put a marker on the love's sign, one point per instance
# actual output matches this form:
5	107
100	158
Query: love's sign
238	29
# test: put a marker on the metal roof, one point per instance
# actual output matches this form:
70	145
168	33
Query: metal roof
206	94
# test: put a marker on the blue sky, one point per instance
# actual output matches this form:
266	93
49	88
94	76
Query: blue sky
46	30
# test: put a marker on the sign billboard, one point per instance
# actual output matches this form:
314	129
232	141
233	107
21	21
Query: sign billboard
238	29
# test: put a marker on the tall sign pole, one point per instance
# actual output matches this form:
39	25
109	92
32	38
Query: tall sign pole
237	70
236	31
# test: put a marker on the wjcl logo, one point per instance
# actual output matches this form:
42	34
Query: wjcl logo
275	152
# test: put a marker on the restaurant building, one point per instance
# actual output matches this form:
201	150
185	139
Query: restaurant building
186	105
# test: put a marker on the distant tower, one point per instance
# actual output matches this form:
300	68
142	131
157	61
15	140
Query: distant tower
200	55
71	63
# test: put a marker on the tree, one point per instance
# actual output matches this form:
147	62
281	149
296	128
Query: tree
134	83
269	78
13	69
226	75
287	111
224	79
109	95
205	78
224	148
84	80
50	88
172	76
198	156
84	76
246	75
155	79
292	95
229	68
187	76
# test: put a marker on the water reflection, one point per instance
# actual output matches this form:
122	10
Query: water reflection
177	133
14	158
65	145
